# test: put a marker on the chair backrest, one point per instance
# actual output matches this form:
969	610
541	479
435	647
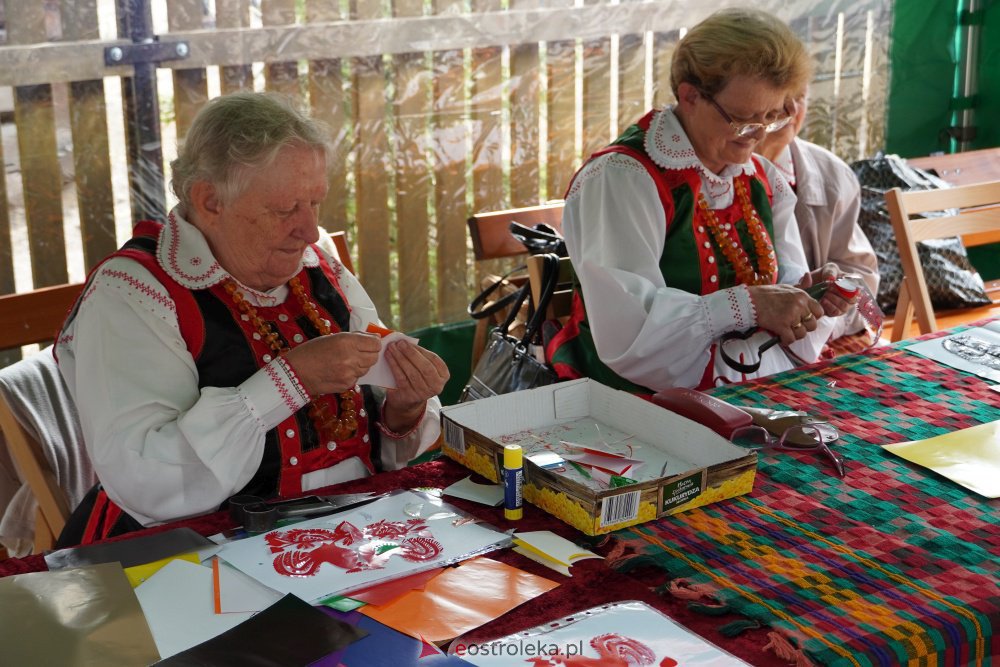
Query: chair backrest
343	250
492	240
490	232
977	222
36	316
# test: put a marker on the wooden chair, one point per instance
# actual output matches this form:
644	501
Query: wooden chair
977	222
27	318
490	232
492	240
35	317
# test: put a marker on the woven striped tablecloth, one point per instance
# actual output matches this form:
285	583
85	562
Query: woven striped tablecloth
889	565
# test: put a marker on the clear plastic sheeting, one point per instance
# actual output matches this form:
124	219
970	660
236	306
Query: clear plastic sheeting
439	110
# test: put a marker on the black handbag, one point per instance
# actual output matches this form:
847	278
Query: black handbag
508	363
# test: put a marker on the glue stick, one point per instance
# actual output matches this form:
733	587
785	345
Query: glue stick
513	476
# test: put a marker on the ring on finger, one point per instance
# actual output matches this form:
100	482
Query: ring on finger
807	317
797	325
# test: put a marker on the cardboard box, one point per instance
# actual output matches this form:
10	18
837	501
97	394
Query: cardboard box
684	464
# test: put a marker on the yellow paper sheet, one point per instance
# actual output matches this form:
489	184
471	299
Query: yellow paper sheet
140	573
460	599
970	457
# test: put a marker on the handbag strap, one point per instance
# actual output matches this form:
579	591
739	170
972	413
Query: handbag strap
550	280
476	309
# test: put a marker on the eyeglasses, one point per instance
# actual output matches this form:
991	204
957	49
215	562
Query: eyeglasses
744	130
812	437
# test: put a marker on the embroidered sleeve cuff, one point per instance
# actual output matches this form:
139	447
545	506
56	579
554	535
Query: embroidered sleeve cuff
730	310
399	436
274	393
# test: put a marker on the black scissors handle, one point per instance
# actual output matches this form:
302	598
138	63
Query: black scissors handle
743	335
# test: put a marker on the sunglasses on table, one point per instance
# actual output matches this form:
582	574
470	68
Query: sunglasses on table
744	130
813	437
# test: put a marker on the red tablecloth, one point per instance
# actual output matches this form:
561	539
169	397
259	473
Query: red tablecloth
592	583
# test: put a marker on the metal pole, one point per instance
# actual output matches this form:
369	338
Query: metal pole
967	75
142	108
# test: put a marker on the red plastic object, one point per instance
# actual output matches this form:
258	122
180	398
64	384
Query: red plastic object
717	415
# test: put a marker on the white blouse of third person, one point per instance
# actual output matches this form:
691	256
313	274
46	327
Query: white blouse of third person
615	227
163	448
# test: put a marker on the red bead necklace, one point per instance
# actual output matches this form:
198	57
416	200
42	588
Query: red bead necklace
737	257
337	428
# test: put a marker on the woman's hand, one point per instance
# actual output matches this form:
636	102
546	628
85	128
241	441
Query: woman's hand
332	364
832	301
785	310
420	374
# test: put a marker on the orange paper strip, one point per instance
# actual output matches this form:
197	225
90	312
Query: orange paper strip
460	599
376	329
385	593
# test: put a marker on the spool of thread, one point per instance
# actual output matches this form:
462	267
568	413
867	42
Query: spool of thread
513	477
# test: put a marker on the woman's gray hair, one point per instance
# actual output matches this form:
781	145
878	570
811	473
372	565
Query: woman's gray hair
740	41
236	135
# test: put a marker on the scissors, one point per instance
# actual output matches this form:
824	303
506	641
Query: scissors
815	291
258	515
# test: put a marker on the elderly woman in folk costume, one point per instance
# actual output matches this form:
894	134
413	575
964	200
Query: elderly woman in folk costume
219	351
679	235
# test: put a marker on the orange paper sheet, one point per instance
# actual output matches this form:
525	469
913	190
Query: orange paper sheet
385	593
460	599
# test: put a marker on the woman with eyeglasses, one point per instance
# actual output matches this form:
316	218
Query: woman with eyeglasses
680	236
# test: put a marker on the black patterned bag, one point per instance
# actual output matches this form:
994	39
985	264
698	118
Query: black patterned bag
951	279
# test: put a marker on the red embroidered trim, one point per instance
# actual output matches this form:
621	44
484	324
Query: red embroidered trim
279	384
162	299
170	231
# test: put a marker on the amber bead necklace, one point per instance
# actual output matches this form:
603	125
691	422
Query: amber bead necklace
337	428
746	274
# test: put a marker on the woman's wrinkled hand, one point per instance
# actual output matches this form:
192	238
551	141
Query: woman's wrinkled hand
420	374
785	310
332	364
833	302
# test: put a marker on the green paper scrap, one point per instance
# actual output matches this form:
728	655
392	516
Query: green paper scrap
618	481
341	603
580	469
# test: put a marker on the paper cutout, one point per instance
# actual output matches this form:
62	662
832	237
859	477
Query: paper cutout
302	551
486	494
611	464
975	350
384	647
460	599
551	550
380	375
395	536
970	456
624	634
85	616
289	632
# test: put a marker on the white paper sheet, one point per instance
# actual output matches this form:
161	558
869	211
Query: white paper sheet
487	494
380	375
180	609
394	536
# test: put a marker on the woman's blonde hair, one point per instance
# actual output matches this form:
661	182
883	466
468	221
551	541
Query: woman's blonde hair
740	41
235	135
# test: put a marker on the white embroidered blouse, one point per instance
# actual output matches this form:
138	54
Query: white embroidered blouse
162	448
645	330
